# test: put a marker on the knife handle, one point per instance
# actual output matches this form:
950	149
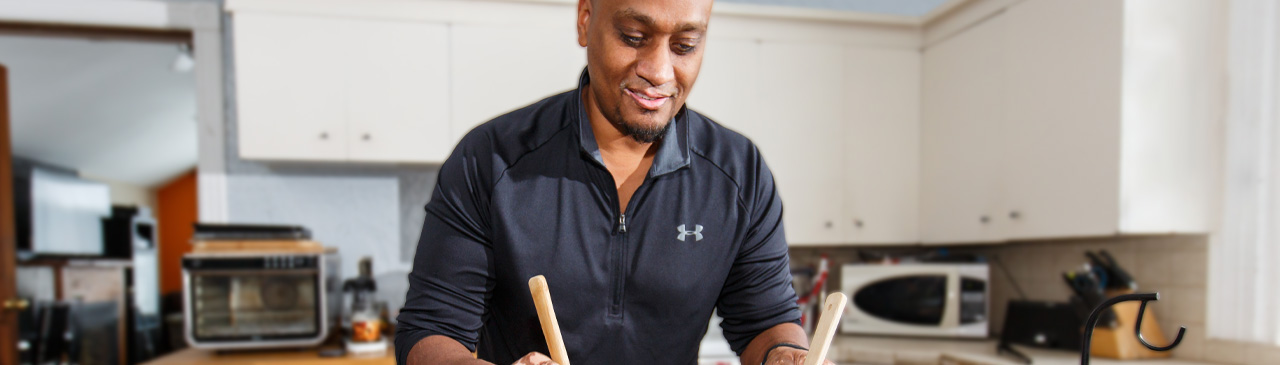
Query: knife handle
547	317
826	330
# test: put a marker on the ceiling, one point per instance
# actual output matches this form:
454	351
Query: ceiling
890	7
114	110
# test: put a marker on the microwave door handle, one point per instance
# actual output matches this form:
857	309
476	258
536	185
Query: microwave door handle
951	303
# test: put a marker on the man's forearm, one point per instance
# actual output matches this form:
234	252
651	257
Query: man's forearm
786	332
441	350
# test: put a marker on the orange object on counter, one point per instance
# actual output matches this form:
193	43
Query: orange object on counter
366	331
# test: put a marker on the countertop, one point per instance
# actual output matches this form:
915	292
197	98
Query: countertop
846	350
192	356
897	351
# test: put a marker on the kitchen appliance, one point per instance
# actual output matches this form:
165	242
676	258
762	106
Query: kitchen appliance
918	299
260	294
1053	325
129	233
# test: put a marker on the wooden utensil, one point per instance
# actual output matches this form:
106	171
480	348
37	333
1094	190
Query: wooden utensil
826	330
547	316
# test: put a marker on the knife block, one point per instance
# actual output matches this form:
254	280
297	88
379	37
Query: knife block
1120	342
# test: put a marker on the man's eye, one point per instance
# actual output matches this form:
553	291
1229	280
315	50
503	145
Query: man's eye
631	40
682	48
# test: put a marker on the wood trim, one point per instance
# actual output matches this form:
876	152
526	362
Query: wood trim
8	242
174	36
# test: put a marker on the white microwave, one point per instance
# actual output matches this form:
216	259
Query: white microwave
927	300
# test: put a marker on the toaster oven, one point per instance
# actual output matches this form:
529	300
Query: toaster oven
927	299
241	299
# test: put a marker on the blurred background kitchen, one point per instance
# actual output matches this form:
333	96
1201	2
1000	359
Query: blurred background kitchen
975	174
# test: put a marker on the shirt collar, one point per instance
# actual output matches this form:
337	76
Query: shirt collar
673	148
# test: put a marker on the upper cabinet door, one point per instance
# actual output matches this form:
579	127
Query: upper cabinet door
727	90
398	98
961	143
882	124
497	69
290	91
800	108
1063	117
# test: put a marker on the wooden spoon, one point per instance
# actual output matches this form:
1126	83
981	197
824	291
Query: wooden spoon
826	330
547	316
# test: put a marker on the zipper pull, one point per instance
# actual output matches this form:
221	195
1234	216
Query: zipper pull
622	223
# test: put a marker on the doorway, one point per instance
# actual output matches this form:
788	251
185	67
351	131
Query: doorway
98	125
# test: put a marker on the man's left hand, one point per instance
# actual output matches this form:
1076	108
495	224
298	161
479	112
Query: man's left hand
789	356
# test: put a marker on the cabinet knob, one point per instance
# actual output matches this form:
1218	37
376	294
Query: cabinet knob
829	224
1015	214
984	219
857	223
366	137
324	135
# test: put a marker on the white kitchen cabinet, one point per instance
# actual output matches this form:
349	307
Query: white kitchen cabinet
727	89
881	105
291	106
397	94
489	80
803	109
335	89
851	159
962	140
1064	131
1062	118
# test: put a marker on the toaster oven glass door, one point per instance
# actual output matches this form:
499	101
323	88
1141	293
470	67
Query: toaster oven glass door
237	305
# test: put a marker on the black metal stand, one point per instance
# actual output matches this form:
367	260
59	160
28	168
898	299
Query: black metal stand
1137	327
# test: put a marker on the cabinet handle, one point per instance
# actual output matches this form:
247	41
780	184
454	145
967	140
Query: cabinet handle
1015	215
829	224
324	135
984	219
366	137
857	223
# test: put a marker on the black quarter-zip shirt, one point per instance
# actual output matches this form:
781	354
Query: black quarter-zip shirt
528	194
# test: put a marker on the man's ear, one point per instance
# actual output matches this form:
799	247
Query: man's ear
584	18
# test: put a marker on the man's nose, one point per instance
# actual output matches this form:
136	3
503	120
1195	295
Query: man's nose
655	65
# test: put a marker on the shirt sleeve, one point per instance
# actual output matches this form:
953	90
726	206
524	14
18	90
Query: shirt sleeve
757	294
452	271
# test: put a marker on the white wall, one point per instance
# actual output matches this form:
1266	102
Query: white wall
123	193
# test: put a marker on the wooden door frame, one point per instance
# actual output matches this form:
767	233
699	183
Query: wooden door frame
8	241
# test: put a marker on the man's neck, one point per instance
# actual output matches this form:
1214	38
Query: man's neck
626	159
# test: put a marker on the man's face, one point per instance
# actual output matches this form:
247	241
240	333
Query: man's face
643	57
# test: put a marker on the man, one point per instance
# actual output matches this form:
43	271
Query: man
644	216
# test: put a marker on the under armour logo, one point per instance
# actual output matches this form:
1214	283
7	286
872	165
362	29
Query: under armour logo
696	232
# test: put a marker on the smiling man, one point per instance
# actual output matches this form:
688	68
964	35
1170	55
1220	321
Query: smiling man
643	215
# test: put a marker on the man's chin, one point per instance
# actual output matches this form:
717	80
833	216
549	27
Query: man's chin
645	130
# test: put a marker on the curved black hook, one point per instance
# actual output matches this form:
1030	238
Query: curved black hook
1137	328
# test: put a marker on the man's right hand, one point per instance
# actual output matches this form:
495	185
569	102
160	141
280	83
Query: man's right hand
534	358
